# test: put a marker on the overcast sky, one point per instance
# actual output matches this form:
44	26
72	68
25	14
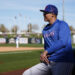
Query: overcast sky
27	11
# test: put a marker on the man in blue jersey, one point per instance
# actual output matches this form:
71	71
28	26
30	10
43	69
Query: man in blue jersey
57	58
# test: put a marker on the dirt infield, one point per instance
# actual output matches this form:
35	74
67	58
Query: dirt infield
16	72
6	49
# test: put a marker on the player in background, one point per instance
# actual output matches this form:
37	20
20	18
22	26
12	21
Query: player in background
57	58
17	41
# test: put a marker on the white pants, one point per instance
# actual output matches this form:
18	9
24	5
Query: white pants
17	44
51	69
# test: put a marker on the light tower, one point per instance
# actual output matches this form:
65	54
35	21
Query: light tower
63	9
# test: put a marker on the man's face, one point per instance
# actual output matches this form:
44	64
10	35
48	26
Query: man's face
47	16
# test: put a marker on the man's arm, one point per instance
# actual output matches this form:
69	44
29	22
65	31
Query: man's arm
64	34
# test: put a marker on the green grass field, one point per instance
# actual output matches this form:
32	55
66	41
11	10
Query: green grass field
10	61
26	45
21	45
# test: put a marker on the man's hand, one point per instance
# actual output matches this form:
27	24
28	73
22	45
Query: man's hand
43	57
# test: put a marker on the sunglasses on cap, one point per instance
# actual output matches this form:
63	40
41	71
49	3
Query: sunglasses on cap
45	13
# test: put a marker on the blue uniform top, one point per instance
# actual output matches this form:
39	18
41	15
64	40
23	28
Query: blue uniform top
57	41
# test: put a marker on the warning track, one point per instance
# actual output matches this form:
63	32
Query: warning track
6	49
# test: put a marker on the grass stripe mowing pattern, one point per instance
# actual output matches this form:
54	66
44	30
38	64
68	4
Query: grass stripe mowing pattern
16	52
15	61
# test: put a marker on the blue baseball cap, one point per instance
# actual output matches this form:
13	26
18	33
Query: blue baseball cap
50	9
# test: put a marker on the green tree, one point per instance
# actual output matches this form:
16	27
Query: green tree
71	28
3	28
14	29
29	28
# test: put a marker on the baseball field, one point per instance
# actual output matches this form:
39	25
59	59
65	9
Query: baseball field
14	61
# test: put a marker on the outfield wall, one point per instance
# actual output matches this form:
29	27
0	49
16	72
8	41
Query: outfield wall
22	40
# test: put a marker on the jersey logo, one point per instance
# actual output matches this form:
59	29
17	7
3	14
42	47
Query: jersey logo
49	34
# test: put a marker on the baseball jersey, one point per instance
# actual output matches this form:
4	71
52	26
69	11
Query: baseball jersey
57	41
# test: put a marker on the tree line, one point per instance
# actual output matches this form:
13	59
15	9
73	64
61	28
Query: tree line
30	28
15	28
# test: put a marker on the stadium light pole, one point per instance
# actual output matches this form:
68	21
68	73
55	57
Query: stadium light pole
63	9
